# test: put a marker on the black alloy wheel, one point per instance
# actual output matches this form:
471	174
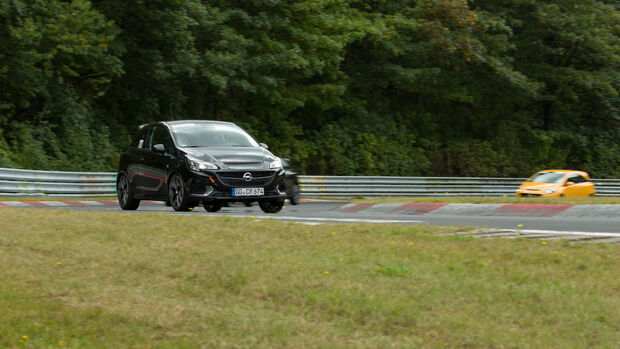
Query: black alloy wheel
271	206
294	199
125	195
176	195
213	206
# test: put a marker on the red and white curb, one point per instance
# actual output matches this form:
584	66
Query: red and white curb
517	210
64	203
75	203
416	209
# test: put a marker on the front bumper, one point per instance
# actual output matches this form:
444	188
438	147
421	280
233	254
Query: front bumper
219	185
529	194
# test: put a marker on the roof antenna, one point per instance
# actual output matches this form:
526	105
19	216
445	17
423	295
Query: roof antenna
171	114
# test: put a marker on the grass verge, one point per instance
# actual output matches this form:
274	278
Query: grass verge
102	279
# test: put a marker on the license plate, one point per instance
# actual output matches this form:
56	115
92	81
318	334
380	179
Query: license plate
248	191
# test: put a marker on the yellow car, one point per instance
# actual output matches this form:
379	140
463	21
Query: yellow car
557	183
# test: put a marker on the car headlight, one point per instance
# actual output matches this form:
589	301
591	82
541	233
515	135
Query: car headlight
549	191
276	164
200	165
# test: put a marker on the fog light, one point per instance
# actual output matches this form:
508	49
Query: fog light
202	190
281	188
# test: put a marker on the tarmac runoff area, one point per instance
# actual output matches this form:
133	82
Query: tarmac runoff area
583	223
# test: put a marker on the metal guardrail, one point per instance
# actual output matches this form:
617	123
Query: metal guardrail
353	186
14	182
368	186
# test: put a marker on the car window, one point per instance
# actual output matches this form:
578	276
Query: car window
548	177
160	136
576	179
138	140
211	135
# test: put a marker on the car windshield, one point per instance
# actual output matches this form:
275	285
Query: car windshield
211	135
547	177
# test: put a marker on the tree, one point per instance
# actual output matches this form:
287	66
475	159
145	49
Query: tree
56	62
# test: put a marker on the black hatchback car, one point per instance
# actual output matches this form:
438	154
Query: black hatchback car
192	162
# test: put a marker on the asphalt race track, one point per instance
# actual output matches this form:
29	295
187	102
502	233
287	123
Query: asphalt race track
591	221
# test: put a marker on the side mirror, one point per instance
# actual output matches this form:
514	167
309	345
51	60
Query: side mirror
568	184
264	145
159	148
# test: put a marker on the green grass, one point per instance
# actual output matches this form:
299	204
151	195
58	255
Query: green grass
103	279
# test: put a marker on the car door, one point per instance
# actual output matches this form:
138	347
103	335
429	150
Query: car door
135	162
584	187
157	163
574	189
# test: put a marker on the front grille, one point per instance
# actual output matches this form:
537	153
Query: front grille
228	195
530	195
235	179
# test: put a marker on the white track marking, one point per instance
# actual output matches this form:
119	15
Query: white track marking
329	220
54	203
557	232
91	203
16	204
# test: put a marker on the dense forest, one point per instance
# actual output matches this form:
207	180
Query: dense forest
341	87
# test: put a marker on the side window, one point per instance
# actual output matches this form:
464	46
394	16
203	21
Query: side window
160	136
576	179
139	139
135	141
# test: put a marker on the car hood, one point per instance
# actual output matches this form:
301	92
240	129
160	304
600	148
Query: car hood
538	186
234	157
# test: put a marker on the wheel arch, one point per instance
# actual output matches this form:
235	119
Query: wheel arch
172	174
122	173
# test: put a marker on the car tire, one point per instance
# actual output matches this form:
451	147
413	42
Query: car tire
125	196
177	196
294	198
213	206
271	206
